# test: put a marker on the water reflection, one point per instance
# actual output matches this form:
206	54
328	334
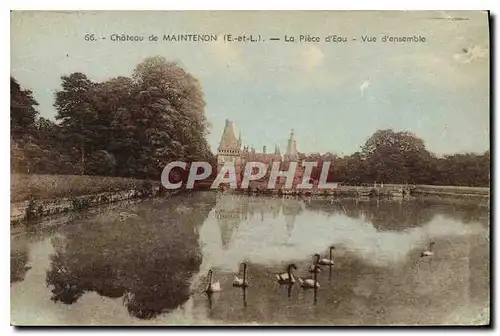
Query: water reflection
19	259
231	210
148	258
388	214
153	258
302	229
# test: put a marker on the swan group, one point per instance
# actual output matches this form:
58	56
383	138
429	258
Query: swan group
288	277
285	278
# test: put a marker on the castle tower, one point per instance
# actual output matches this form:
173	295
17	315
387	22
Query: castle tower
291	150
230	147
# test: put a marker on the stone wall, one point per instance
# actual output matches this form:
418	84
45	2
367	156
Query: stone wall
36	208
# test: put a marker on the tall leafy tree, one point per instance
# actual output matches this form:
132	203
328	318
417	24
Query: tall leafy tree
397	157
170	119
76	115
141	122
114	101
23	111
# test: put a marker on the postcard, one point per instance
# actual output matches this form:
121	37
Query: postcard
250	168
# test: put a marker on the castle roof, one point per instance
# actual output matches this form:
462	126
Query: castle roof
263	157
228	139
291	150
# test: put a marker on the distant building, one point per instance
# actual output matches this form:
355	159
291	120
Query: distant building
232	150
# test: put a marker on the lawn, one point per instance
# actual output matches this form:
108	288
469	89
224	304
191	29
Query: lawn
27	186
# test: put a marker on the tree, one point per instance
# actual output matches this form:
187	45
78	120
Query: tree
170	123
22	111
101	163
77	116
114	101
396	157
142	122
467	169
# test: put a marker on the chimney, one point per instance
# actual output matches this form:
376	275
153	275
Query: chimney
264	149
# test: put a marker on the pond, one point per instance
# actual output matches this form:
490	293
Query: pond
146	263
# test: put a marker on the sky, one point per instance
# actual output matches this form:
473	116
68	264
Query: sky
334	95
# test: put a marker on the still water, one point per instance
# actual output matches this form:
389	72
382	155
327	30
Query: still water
146	263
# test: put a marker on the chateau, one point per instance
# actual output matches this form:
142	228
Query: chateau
231	149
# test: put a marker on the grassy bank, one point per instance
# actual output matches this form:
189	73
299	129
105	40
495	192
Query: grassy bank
29	186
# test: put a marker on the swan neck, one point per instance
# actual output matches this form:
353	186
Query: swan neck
209	277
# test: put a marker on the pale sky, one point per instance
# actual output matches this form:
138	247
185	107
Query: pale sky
334	95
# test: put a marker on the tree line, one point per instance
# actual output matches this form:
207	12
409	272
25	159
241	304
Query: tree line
402	158
124	126
132	126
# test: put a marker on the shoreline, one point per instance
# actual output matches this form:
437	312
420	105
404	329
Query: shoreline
36	209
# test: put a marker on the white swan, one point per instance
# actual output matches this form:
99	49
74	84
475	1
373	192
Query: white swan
327	262
315	264
287	278
212	287
429	252
310	283
241	282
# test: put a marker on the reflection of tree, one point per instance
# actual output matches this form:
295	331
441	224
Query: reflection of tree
149	257
18	264
67	287
465	211
393	215
396	215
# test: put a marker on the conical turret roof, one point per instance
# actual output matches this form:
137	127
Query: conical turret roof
229	140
